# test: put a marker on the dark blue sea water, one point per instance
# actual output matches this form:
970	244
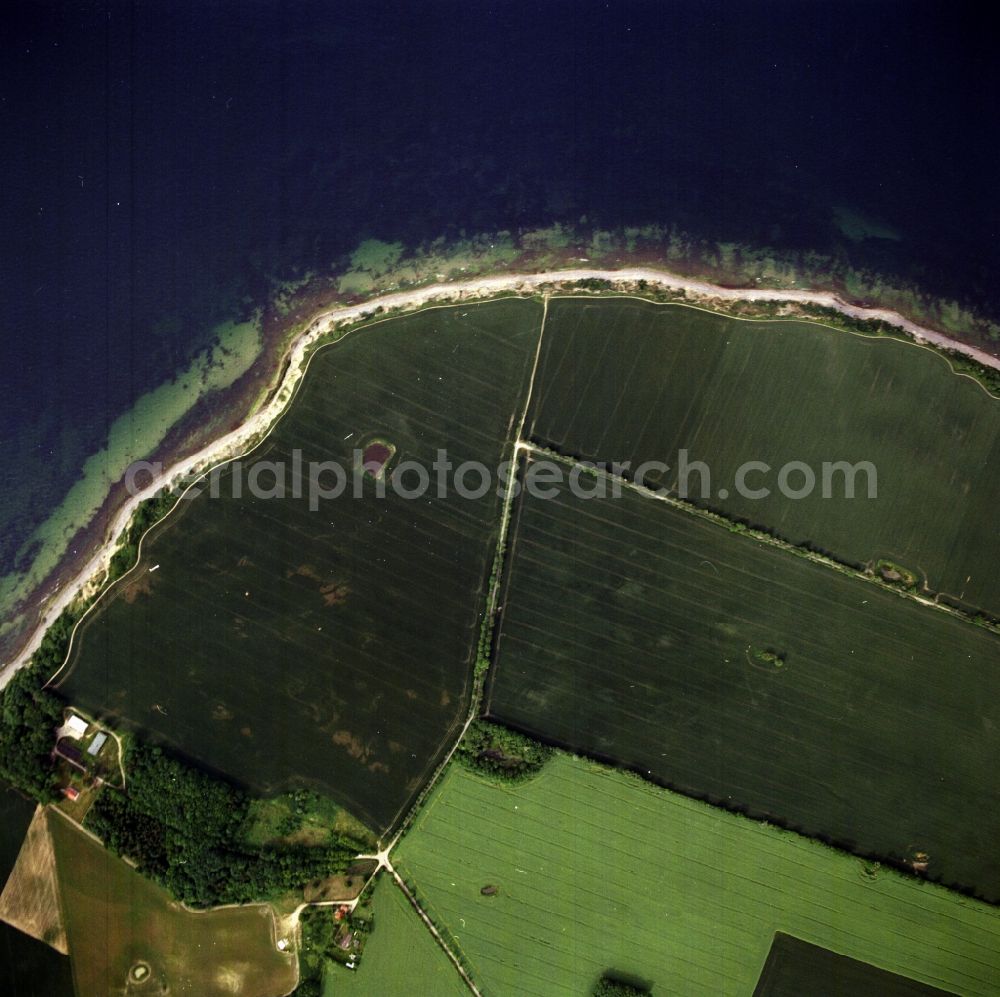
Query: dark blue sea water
160	159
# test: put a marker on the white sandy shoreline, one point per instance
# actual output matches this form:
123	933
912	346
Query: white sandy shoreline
245	437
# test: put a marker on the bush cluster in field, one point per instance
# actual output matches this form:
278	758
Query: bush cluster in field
303	815
614	985
768	656
498	751
897	575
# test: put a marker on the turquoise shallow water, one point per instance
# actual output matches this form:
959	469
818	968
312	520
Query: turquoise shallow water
132	436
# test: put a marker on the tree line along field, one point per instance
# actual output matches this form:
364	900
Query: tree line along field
27	966
741	673
331	648
628	380
597	870
117	920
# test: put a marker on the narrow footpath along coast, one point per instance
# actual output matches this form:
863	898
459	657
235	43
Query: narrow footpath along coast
241	440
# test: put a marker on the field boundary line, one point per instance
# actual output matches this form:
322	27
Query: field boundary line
438	937
496	632
52	808
534	370
486	624
508	503
425	797
751	533
409	811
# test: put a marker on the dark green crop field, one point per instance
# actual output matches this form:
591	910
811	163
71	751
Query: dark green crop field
737	671
332	647
627	380
795	967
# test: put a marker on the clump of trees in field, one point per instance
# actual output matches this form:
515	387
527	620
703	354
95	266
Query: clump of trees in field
185	829
896	574
498	751
617	985
768	656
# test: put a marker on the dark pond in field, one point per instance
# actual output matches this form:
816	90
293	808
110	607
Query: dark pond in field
375	457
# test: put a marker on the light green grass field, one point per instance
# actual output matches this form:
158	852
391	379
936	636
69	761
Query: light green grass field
401	958
598	870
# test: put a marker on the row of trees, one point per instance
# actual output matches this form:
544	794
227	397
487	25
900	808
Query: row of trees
185	829
54	646
148	513
989	377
